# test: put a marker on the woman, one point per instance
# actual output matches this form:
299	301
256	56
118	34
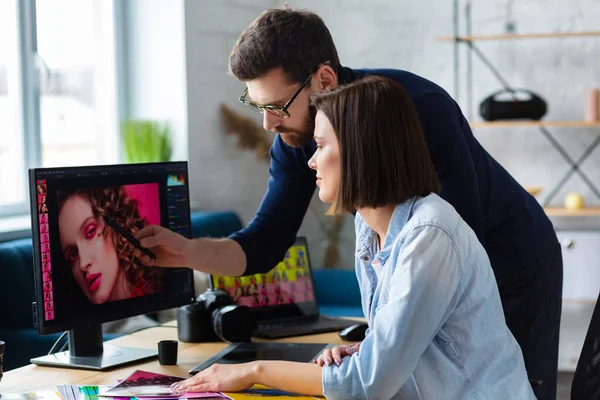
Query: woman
102	261
437	329
41	188
252	287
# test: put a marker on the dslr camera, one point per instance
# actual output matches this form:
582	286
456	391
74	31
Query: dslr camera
213	317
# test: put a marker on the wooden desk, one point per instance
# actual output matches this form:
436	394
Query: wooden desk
35	378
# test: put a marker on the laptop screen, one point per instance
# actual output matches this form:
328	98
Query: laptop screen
285	291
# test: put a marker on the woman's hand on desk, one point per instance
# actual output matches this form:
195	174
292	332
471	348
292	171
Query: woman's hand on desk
218	378
294	377
329	356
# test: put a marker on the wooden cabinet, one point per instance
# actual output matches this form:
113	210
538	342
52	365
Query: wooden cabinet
581	285
581	260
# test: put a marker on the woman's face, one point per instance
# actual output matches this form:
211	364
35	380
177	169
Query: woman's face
91	256
326	160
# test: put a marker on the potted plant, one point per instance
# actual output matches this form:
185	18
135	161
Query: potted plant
146	141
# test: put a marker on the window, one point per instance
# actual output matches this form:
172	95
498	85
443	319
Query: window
12	167
67	113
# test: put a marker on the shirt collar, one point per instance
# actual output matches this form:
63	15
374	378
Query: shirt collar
346	75
367	236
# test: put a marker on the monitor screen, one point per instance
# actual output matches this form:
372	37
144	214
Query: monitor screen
83	218
285	290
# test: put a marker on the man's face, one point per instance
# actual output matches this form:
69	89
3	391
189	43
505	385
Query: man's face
274	89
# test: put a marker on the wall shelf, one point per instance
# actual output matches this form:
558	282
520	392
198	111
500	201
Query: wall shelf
563	212
528	123
468	39
517	36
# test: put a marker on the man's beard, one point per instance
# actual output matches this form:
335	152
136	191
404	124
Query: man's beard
299	137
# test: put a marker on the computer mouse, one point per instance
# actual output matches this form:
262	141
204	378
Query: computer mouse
354	333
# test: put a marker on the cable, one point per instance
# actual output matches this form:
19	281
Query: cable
493	69
55	345
138	330
149	327
64	346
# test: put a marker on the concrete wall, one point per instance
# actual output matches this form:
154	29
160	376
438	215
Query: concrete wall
154	65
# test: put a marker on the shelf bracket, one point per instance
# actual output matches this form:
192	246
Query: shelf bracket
574	166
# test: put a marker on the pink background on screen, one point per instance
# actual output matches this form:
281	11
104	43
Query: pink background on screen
148	200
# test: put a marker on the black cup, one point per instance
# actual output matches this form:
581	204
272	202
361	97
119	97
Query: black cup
1	357
167	352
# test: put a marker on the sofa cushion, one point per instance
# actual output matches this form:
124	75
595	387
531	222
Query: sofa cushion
215	224
16	285
24	344
337	287
342	311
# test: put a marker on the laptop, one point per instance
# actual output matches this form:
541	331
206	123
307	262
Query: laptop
283	300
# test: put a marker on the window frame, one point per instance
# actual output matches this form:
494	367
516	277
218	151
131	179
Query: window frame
29	64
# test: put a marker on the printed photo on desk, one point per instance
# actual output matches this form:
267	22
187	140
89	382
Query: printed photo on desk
83	392
149	385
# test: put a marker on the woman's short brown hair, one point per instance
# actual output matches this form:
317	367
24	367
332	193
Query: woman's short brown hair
383	154
295	40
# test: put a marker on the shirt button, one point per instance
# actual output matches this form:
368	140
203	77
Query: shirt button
366	258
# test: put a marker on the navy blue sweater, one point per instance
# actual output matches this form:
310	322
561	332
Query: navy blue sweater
509	222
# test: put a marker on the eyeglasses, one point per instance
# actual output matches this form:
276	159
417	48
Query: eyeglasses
278	111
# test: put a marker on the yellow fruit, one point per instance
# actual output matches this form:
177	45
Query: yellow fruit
574	201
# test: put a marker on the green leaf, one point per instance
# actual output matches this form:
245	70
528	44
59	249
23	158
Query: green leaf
146	141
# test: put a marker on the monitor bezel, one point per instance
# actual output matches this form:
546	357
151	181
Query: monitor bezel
109	311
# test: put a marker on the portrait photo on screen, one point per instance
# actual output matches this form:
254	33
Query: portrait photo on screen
41	188
97	258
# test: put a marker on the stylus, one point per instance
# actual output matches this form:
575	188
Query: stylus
119	229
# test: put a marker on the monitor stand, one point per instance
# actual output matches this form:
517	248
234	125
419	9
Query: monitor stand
86	351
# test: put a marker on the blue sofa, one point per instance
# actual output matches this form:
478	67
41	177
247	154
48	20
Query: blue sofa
338	293
17	292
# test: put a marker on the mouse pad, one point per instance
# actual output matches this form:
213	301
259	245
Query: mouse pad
238	353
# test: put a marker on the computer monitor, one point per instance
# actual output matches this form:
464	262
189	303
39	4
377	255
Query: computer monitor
84	269
285	291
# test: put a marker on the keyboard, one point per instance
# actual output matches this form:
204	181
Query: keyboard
301	326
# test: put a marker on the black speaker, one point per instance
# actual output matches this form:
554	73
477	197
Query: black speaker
520	104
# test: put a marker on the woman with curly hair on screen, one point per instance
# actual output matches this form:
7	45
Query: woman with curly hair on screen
101	260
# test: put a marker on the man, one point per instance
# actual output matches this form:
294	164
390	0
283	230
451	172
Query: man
284	56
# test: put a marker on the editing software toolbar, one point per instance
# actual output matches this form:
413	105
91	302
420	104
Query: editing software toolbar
42	191
177	199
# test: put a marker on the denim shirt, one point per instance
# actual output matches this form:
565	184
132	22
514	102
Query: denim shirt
436	325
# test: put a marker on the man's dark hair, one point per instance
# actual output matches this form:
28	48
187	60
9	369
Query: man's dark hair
383	154
295	40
